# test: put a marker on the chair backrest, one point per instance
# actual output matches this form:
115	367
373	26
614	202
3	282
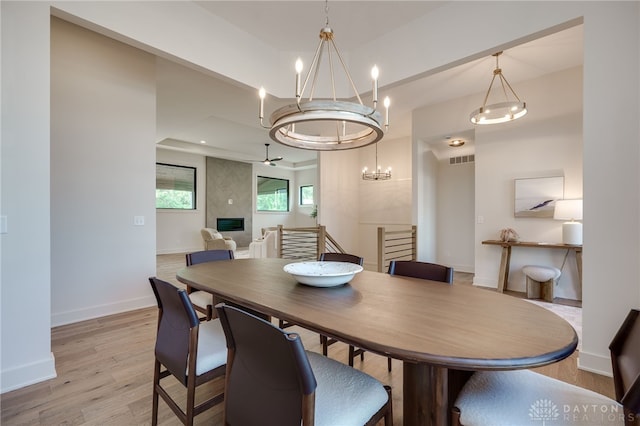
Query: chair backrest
208	256
271	241
177	328
266	368
625	359
424	270
341	257
267	229
209	234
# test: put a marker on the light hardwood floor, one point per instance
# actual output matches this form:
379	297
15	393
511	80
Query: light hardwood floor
105	370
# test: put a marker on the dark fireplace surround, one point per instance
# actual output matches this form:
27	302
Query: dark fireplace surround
227	224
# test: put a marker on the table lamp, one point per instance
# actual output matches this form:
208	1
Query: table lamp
570	210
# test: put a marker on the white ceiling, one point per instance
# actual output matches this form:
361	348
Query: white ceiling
194	106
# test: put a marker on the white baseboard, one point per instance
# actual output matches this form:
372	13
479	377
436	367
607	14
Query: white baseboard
97	311
469	269
594	363
484	282
28	374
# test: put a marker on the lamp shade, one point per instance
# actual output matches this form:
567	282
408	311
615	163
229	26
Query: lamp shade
570	210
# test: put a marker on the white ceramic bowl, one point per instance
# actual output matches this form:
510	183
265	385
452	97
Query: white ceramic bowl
323	274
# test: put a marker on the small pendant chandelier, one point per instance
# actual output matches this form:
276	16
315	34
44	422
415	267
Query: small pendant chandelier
343	124
377	173
503	111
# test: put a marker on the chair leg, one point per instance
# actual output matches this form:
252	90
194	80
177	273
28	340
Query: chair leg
325	345
209	312
455	417
353	353
191	401
388	418
156	382
283	324
389	364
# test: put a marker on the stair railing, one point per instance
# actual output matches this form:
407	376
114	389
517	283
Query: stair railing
399	244
305	243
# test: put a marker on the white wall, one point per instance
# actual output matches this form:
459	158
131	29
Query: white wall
382	203
25	293
338	205
455	213
102	175
611	175
179	231
302	213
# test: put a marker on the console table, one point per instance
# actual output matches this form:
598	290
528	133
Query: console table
505	259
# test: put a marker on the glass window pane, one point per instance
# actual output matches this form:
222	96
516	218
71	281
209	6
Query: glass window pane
175	187
306	195
272	194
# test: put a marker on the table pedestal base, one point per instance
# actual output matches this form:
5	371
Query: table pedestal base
425	395
429	393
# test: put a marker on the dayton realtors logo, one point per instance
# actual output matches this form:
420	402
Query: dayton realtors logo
544	410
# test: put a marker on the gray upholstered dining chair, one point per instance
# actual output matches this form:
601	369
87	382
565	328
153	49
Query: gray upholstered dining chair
202	301
193	352
507	398
271	377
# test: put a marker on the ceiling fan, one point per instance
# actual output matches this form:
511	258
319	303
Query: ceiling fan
269	161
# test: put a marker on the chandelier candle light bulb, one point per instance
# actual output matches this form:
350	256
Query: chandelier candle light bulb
387	102
374	76
298	72
262	93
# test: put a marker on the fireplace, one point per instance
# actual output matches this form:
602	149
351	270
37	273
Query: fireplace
230	224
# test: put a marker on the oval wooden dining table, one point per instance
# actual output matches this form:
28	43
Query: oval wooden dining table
439	331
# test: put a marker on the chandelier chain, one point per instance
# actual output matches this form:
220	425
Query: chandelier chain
326	12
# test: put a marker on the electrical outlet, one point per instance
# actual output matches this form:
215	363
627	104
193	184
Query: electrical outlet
138	220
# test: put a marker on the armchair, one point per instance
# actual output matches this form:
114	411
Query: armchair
213	240
265	246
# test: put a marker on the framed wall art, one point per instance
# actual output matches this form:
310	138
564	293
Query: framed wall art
536	197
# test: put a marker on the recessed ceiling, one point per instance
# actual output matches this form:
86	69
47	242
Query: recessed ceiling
295	25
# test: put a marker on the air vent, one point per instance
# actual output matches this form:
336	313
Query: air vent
462	159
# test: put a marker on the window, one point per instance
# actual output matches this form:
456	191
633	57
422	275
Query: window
273	194
175	187
306	195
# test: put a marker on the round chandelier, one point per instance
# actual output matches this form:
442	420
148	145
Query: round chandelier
376	173
500	112
326	124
